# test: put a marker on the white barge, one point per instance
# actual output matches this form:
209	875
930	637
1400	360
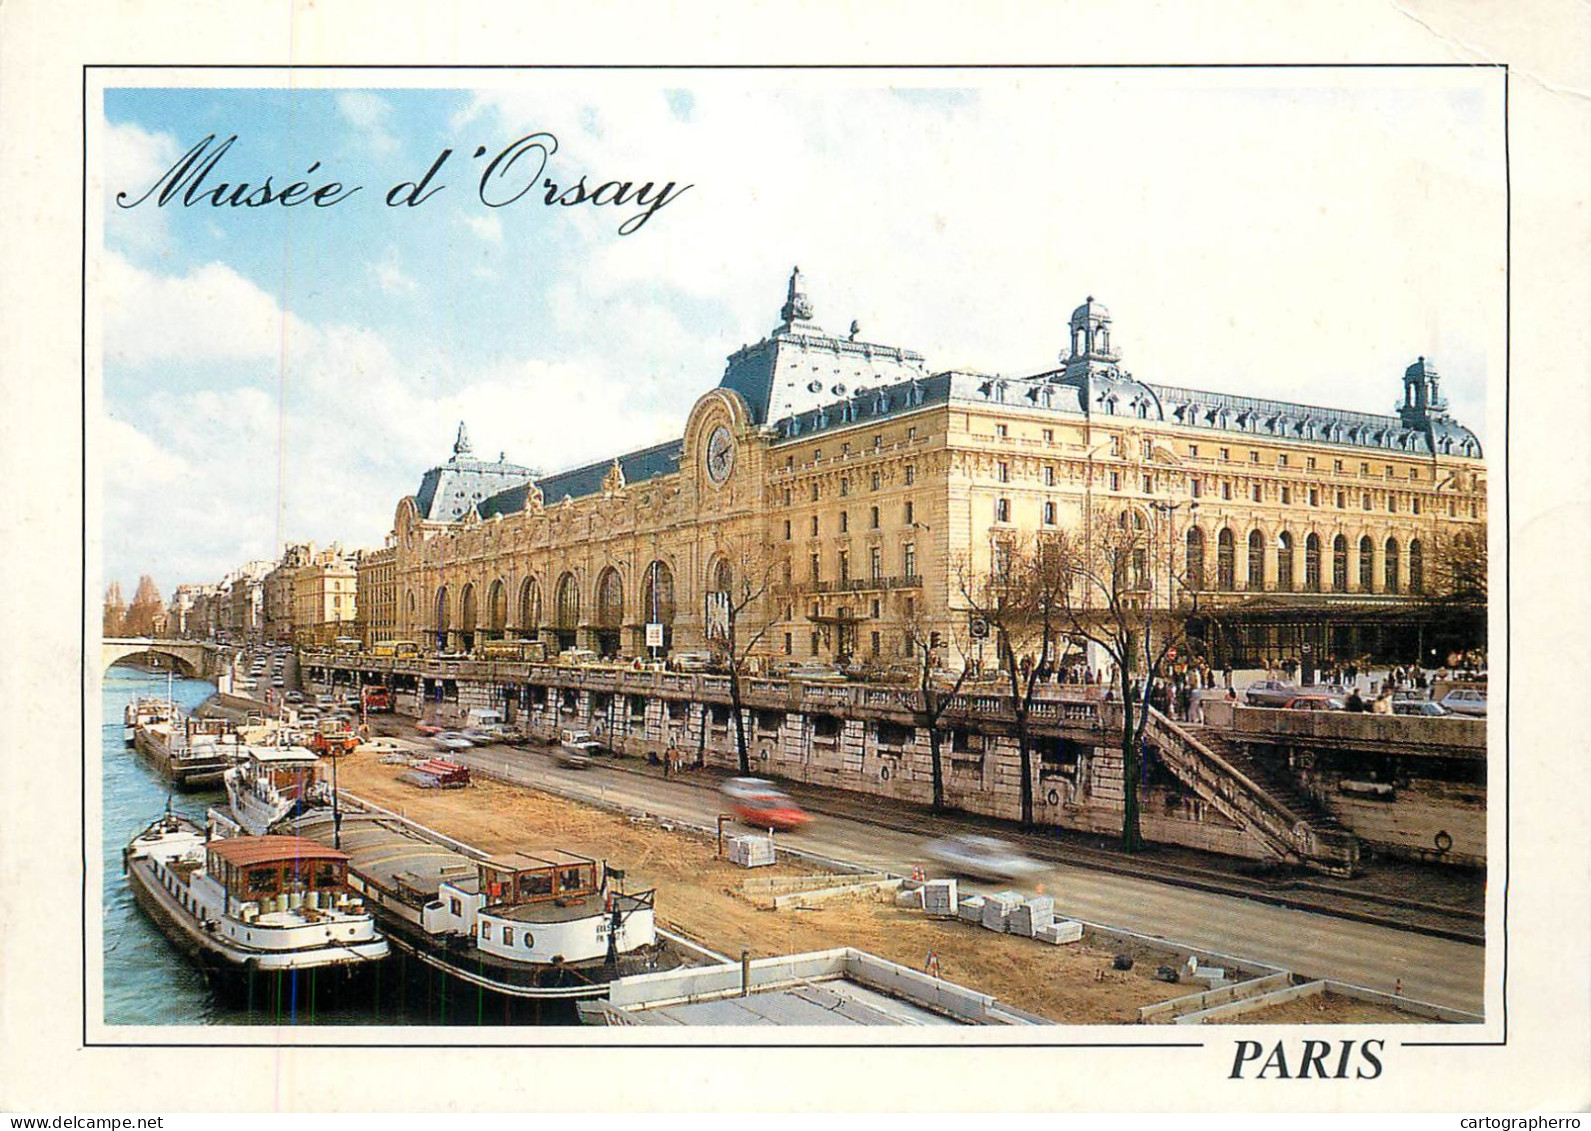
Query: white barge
249	908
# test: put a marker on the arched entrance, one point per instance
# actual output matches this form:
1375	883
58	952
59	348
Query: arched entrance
467	619
530	609
610	612
497	610
443	621
657	598
567	624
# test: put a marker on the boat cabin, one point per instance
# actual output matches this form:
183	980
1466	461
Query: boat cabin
264	869
518	878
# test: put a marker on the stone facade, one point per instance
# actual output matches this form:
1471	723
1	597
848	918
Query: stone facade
855	476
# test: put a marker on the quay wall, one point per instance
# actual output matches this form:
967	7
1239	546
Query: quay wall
865	739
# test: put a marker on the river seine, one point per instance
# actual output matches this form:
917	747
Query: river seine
147	981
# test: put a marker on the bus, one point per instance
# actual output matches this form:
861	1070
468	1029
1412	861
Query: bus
396	649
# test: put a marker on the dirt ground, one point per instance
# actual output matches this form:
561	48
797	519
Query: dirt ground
1326	1009
703	898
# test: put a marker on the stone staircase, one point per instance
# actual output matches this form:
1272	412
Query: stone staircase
1260	798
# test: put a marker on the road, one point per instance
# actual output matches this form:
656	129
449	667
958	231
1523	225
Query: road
1436	970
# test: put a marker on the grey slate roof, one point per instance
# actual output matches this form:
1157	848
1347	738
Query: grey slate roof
648	463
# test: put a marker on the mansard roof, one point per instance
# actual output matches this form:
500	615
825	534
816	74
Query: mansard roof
579	482
448	492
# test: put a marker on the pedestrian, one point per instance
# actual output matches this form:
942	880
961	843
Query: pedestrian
1226	675
1355	702
1184	703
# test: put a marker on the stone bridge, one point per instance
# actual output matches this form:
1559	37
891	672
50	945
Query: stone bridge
191	657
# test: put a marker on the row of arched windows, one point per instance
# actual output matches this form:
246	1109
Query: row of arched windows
1317	561
656	601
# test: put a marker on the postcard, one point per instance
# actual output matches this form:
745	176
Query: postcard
644	561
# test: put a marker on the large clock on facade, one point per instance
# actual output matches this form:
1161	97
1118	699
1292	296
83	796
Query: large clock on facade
720	454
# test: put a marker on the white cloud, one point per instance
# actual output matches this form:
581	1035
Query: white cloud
390	277
211	314
488	227
370	114
134	159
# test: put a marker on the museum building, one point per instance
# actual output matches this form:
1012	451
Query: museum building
850	476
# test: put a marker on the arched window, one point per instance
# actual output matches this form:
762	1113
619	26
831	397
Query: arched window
467	613
1390	574
1339	564
568	603
442	618
1416	567
1225	561
1284	562
530	607
497	608
1195	578
721	576
1256	560
657	594
610	599
1312	563
1367	564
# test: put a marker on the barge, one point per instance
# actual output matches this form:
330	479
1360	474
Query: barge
268	918
194	753
526	926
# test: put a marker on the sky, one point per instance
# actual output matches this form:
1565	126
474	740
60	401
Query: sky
277	374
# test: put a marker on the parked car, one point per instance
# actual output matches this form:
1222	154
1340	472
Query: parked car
292	696
1419	707
1270	693
1315	703
762	805
1466	701
693	661
983	857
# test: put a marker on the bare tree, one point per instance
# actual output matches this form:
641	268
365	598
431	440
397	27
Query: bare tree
1456	584
738	619
1114	573
1021	596
935	690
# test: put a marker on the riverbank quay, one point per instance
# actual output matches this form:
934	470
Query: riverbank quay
1320	791
704	898
1441	902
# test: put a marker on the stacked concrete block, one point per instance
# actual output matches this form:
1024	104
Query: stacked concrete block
909	897
1029	917
751	851
939	898
971	909
1059	931
997	909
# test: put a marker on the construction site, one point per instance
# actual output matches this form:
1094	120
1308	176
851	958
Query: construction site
796	905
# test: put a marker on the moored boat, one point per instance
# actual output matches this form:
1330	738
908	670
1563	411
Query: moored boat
193	753
248	908
524	926
270	783
145	711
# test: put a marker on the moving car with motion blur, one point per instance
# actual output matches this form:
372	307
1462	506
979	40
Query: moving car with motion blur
762	805
982	857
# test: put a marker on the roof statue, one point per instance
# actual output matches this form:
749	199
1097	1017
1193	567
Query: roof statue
797	307
461	446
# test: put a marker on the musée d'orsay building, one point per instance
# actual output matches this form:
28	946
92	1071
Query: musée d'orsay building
864	474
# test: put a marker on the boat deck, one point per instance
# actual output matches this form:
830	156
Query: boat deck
382	851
